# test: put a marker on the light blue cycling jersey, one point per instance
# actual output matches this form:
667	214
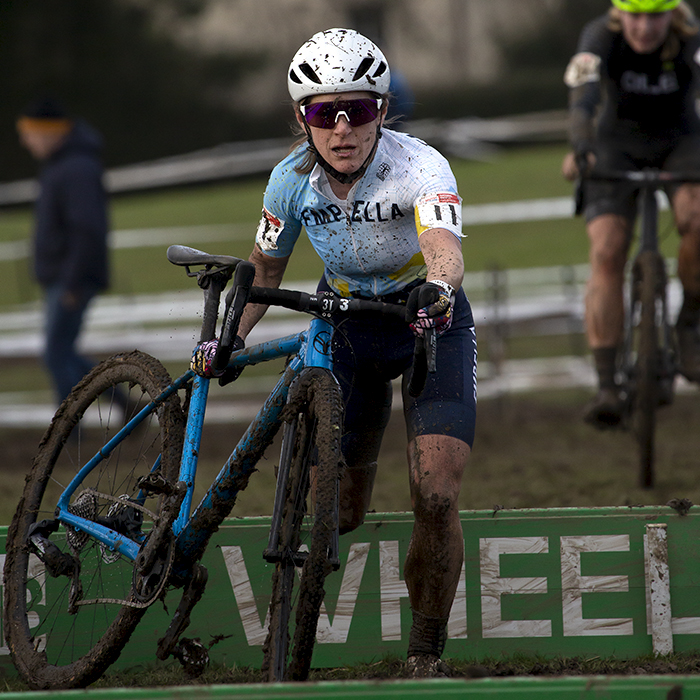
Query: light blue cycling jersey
368	242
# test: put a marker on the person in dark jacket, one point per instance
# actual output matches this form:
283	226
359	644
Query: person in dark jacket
70	236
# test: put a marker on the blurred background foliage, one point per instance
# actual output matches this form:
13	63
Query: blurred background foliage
152	96
534	64
104	59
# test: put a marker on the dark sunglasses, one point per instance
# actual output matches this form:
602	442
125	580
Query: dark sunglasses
325	115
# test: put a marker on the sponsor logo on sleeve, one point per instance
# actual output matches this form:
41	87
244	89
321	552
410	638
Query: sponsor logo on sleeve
583	68
269	230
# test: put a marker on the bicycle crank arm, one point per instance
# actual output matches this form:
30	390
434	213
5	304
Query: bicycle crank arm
146	557
181	618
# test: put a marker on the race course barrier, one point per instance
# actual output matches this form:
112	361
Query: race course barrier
568	582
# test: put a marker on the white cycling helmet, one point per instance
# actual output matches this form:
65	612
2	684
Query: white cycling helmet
337	60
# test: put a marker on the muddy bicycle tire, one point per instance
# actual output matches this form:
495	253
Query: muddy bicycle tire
648	364
316	413
51	646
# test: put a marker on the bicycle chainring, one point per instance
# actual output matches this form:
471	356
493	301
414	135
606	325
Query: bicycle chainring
148	584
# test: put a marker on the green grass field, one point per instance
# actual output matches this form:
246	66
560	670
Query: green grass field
513	175
517	174
530	451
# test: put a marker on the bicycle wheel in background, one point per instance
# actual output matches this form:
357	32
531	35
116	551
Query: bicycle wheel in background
649	308
311	458
70	604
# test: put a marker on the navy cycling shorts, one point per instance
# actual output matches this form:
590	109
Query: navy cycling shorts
368	353
682	154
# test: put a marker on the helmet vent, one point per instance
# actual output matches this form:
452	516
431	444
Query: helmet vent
310	73
380	70
294	77
364	66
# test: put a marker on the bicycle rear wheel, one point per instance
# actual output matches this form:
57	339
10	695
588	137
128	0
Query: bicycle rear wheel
649	280
70	604
311	459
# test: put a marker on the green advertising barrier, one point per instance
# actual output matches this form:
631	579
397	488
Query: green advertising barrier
557	582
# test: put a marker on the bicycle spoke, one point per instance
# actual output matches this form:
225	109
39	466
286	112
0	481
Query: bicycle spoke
80	630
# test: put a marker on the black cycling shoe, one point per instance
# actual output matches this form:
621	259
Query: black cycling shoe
427	666
604	411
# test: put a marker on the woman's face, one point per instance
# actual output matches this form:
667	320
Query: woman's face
645	31
344	147
41	145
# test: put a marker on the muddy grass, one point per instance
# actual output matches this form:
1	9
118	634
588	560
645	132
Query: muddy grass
392	668
531	451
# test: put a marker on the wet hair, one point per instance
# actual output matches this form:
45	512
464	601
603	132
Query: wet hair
684	24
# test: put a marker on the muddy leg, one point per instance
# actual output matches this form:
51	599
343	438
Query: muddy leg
436	550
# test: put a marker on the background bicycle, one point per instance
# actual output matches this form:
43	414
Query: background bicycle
104	526
648	363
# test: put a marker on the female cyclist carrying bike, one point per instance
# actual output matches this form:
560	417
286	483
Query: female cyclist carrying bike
382	211
634	82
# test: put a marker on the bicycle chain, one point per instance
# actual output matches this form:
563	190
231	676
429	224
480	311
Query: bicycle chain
132	603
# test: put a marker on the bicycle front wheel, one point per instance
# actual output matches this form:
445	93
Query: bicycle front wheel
649	281
70	604
311	459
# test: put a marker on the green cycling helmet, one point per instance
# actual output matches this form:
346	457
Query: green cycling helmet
646	5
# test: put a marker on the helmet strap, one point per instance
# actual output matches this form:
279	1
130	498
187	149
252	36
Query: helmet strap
343	178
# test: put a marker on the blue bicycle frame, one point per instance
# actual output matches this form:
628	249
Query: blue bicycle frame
310	348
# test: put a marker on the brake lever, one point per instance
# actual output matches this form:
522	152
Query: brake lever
419	369
235	304
578	197
584	167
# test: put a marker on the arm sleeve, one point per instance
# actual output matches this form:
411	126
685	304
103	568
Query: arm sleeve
583	103
437	203
583	77
439	210
278	229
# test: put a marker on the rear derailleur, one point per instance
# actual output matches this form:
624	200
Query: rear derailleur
56	562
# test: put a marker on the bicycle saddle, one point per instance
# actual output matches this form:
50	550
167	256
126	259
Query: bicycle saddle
184	255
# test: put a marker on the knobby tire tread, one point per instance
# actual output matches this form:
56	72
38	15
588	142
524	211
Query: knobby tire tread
134	369
648	365
319	410
296	465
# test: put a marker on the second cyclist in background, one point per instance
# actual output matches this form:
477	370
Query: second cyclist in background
381	209
633	85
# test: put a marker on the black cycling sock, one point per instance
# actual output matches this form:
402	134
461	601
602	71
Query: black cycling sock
428	635
605	360
689	315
